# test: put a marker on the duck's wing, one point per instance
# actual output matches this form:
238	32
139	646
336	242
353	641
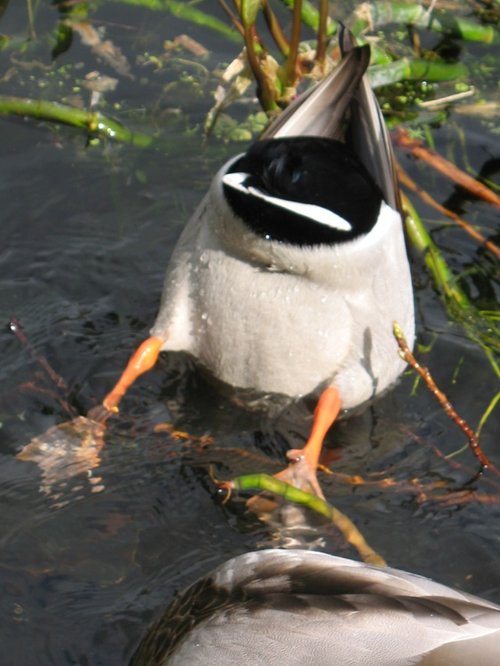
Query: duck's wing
295	607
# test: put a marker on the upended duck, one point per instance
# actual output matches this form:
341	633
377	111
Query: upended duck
303	607
287	278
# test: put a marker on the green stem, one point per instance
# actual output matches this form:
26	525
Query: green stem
310	16
420	239
265	92
238	26
478	327
487	413
185	11
322	36
415	69
313	502
31	18
291	62
91	121
288	492
275	29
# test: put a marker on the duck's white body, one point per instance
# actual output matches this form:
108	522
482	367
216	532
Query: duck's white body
300	607
289	276
284	319
294	318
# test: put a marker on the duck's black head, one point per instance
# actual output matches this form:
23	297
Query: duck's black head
266	187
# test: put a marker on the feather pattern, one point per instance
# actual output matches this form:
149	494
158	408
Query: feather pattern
321	110
302	607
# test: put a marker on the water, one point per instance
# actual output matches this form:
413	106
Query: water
86	563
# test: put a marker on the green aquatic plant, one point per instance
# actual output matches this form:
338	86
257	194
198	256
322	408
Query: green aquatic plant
93	122
374	15
289	493
186	11
406	74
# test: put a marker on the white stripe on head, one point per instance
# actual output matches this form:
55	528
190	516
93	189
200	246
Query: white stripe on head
313	212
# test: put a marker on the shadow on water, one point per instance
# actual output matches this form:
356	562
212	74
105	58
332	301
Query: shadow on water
86	234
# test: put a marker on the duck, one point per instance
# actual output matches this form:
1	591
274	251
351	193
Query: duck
288	277
306	607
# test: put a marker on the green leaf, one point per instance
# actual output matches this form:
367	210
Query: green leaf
249	10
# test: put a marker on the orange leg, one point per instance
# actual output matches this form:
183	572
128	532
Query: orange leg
142	360
304	462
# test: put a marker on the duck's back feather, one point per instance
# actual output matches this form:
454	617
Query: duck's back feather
300	607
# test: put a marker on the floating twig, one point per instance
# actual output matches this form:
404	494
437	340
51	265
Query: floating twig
448	169
443	400
441	102
465	497
291	494
408	182
182	434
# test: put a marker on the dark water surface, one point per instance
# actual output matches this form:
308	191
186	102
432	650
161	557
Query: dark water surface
85	236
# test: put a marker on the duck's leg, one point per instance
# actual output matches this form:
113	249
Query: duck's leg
304	462
142	360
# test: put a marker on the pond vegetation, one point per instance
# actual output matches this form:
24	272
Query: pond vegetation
207	79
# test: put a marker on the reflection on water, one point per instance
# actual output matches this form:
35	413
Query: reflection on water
86	235
64	451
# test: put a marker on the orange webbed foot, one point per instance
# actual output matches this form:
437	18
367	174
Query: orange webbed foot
301	471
